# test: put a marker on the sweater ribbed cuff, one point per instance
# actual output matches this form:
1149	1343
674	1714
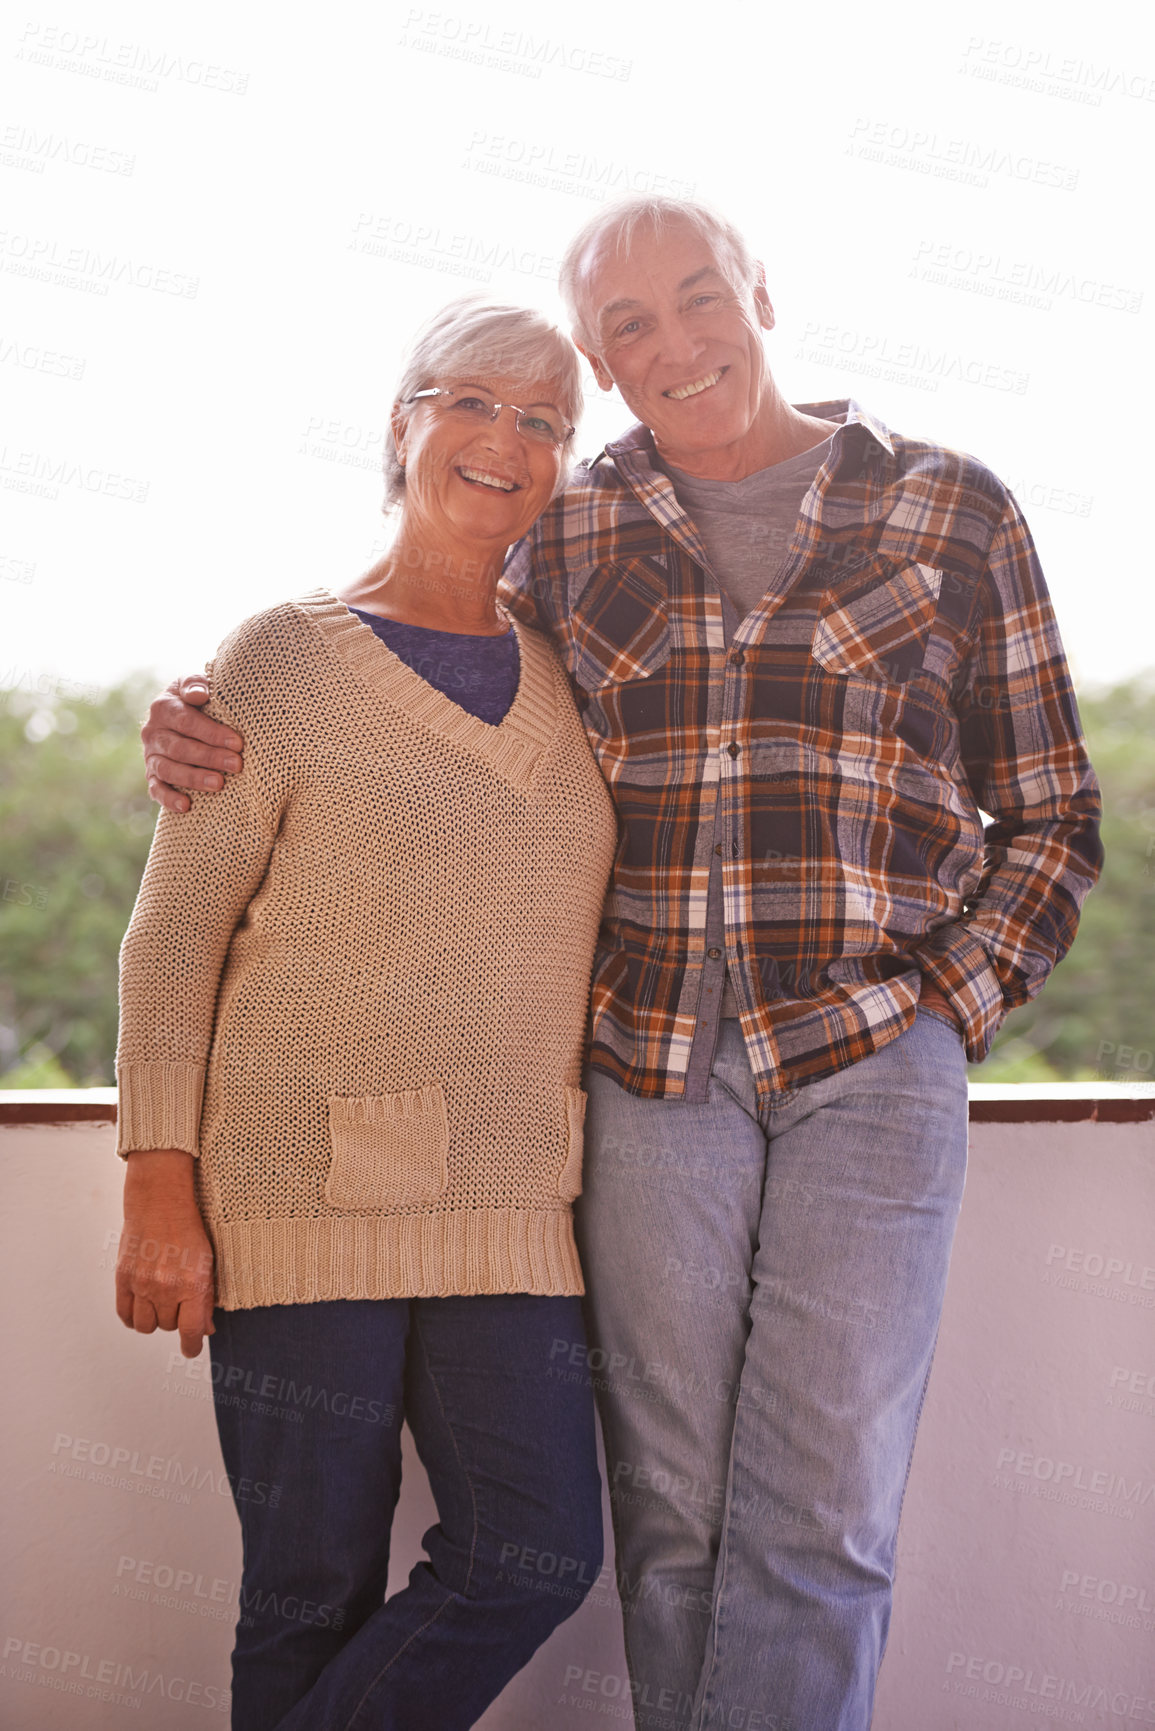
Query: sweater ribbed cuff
159	1106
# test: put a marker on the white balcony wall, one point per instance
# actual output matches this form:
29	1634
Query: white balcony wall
1026	1584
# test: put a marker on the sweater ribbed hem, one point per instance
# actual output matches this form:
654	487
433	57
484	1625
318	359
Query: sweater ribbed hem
397	1256
159	1106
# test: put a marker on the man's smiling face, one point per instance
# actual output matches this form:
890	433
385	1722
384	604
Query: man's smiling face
681	340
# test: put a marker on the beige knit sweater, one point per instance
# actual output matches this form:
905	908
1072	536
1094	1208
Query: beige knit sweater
355	981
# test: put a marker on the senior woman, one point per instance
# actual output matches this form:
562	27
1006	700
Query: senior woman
353	1003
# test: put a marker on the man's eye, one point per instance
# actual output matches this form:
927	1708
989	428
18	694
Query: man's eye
703	301
629	329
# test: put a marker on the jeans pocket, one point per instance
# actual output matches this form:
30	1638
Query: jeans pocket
569	1182
389	1150
945	1021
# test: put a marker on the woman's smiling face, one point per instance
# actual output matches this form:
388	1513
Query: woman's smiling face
474	479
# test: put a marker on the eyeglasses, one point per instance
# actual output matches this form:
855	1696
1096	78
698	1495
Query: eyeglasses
470	403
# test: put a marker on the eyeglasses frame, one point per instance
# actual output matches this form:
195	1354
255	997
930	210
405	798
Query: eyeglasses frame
448	390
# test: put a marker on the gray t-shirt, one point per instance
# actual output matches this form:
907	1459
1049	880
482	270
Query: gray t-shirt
747	526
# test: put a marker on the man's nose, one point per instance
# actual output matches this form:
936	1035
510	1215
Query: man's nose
678	342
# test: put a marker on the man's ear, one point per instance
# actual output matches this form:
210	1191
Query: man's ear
601	371
762	299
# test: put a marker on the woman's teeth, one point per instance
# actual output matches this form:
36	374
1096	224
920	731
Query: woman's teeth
489	480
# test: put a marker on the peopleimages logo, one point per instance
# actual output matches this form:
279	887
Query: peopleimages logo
1105	1591
1029	67
26	147
108	1680
967	160
1029	1687
151	1475
1071	1475
1021	281
137	65
49	260
480	42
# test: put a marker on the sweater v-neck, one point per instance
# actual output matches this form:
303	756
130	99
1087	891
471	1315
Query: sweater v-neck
512	747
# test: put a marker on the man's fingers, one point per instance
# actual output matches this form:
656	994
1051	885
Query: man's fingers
170	713
192	688
182	749
170	797
143	1315
177	773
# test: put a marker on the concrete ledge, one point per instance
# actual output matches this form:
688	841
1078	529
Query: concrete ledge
1028	1103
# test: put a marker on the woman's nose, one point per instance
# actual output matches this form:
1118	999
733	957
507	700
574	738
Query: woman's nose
502	433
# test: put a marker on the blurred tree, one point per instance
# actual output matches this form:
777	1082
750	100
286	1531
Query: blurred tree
76	822
1095	1018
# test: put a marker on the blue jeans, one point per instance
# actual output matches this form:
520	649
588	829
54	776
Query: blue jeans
764	1296
310	1400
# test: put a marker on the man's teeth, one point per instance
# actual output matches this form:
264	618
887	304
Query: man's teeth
489	480
684	391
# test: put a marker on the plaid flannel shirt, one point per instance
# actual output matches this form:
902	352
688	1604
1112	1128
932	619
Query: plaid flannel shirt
905	678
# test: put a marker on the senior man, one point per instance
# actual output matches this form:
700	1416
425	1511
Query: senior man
811	655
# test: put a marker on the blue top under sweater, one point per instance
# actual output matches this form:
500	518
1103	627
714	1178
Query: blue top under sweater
478	673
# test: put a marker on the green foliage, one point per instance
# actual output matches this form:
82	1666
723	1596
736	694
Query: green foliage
1095	1020
76	822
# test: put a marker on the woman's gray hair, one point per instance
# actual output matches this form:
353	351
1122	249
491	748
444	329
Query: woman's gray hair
473	339
618	223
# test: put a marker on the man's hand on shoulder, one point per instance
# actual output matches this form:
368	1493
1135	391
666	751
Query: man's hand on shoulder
185	749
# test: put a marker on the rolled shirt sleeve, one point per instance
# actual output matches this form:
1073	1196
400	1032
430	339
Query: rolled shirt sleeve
1027	766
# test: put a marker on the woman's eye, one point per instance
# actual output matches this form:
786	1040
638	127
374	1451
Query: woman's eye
535	424
474	405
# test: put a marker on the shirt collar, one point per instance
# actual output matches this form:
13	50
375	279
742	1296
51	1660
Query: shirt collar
636	458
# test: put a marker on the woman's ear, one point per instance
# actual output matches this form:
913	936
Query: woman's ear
399	423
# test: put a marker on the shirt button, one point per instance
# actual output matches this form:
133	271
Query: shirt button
733	749
713	954
737	659
718	850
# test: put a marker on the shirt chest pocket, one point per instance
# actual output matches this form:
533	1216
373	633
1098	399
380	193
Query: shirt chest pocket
621	622
880	629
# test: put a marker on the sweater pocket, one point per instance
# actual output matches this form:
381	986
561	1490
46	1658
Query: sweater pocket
569	1182
389	1150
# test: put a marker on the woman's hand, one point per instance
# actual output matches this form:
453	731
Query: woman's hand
164	1267
176	735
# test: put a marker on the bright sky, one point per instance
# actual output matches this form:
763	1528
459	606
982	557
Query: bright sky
219	226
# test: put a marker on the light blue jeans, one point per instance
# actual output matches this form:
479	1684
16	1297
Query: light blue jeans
764	1296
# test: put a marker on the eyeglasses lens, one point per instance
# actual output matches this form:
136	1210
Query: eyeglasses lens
541	422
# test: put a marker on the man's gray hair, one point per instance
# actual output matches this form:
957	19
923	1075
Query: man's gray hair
471	340
618	224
